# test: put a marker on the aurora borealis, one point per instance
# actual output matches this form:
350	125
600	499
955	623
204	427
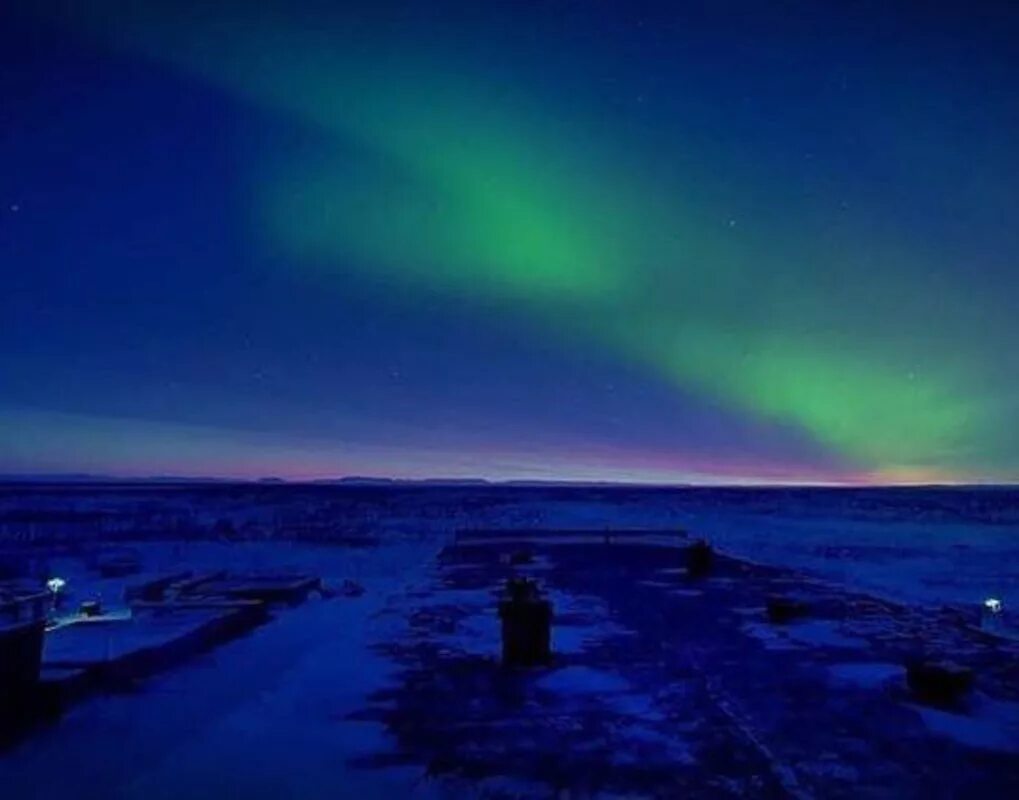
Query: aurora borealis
667	242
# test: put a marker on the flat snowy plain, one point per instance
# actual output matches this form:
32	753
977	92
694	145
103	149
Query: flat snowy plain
274	714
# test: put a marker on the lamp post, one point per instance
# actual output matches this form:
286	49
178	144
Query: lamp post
991	613
56	589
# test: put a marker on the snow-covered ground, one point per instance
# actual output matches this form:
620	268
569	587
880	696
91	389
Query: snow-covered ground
236	721
896	545
930	546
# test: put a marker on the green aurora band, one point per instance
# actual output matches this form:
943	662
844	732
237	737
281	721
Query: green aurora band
439	171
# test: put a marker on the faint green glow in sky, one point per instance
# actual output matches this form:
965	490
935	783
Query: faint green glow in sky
434	173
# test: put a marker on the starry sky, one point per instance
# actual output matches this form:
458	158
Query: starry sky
730	241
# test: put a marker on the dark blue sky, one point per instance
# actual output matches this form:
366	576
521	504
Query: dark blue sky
718	241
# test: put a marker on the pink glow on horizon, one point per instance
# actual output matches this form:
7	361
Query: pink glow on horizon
131	448
597	465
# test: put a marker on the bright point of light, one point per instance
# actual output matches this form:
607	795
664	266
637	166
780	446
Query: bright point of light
55	585
993	605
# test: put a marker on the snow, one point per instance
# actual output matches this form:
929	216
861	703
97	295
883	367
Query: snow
582	680
866	675
929	546
988	725
236	721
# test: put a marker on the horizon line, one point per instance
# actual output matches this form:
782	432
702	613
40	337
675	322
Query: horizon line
353	480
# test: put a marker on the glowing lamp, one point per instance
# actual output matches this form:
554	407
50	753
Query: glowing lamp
993	605
56	585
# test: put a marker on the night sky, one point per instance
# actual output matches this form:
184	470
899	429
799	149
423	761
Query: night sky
706	241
